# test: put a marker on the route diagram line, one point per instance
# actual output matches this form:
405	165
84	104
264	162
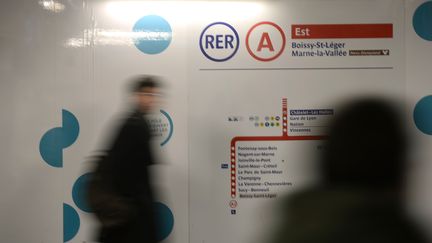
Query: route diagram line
284	137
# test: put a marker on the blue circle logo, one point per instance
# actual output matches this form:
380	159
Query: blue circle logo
219	41
161	126
152	35
422	21
423	115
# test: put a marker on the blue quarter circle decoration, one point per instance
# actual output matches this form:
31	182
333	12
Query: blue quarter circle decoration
71	222
56	139
171	126
153	34
164	219
79	191
422	21
423	115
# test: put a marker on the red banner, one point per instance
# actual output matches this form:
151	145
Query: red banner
341	31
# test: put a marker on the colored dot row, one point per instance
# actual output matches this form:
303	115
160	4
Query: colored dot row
267	124
266	118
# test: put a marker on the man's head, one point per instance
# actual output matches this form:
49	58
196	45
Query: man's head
367	145
147	92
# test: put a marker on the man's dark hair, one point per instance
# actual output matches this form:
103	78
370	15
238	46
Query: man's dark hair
145	81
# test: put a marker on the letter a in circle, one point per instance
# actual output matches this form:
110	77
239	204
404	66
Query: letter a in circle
265	42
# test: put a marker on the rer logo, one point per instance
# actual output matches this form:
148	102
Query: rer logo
219	41
265	41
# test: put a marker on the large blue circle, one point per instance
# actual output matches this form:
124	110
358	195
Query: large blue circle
422	21
154	34
71	222
79	191
212	58
423	115
164	219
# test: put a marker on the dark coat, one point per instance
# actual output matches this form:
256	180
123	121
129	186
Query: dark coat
362	171
128	175
344	214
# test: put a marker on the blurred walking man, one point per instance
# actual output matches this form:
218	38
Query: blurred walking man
127	216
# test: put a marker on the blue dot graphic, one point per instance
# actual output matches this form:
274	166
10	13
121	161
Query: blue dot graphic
422	21
153	34
71	222
423	115
56	139
79	191
165	220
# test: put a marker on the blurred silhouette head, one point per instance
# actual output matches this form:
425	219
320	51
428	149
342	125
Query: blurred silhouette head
366	146
147	92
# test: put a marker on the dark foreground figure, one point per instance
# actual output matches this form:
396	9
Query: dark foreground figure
120	191
361	197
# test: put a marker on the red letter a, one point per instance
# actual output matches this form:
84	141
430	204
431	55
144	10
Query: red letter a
265	42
